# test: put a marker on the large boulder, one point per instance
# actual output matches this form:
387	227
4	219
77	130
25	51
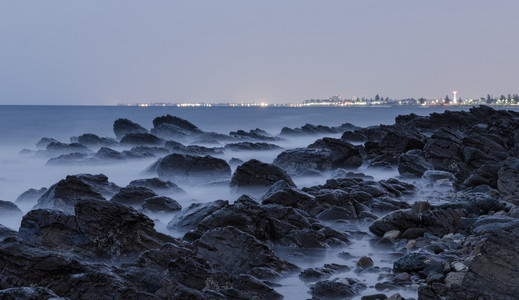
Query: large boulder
30	196
179	122
238	252
141	139
115	230
92	140
323	155
412	164
123	127
397	220
196	212
74	188
193	169
157	185
133	196
256	175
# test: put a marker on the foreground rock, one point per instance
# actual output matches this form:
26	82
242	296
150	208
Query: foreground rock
75	188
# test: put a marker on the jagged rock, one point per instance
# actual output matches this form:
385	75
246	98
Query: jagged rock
133	196
145	151
396	220
141	139
310	129
44	142
507	181
92	140
123	127
176	121
116	230
105	153
157	185
6	232
315	274
254	174
193	169
64	194
29	293
195	213
56	148
248	146
237	252
412	262
160	204
337	288
9	209
323	155
412	164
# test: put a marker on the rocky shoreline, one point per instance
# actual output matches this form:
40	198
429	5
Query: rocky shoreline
448	223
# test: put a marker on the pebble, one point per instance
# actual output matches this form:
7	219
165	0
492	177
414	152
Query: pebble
365	262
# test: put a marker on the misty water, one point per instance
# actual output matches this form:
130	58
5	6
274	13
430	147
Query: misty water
22	126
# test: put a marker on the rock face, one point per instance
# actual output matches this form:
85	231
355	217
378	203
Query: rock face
238	252
100	228
133	196
74	188
30	196
9	209
254	174
507	177
324	155
194	169
157	185
160	204
123	127
248	146
141	139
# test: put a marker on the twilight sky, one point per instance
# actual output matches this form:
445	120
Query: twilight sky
278	51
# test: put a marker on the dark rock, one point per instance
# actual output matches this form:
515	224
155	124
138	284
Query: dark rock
123	127
9	209
412	262
254	174
365	262
248	146
412	233
323	155
495	264
116	230
442	221
44	142
192	272
30	196
494	223
315	274
157	185
6	232
141	139
398	142
291	197
92	140
237	252
108	154
412	164
29	293
337	213
176	121
443	150
193	169
52	229
310	129
133	196
160	204
397	220
337	288
159	259
257	134
254	287
145	151
508	175
57	148
67	159
234	162
64	194
196	212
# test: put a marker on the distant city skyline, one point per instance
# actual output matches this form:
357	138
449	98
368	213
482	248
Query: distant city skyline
104	53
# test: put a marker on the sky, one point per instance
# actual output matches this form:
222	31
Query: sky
275	51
